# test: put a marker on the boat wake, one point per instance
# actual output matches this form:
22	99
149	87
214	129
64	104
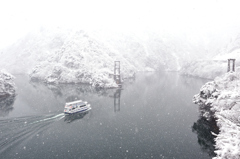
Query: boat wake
18	130
57	117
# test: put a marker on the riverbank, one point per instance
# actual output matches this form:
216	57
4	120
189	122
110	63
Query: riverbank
222	97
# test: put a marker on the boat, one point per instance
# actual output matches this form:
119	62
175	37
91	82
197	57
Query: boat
76	106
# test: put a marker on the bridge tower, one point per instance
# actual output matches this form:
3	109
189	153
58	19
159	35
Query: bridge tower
231	65
117	76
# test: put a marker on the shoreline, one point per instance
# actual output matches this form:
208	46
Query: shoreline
221	98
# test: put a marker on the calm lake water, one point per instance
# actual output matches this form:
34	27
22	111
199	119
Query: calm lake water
151	117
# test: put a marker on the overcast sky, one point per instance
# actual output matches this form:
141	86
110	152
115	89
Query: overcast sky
194	16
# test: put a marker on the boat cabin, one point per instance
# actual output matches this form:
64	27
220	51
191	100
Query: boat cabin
76	106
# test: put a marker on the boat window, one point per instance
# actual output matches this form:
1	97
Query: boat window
82	105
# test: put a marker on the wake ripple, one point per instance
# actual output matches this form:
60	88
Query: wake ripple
14	131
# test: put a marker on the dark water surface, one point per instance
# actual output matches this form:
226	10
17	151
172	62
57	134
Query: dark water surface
151	117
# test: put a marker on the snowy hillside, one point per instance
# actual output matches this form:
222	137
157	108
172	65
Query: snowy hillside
35	47
205	68
81	59
232	46
235	54
215	65
221	97
159	51
71	56
7	86
145	50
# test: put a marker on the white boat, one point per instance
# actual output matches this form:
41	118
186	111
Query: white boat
76	106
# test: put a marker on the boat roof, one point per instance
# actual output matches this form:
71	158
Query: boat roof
75	102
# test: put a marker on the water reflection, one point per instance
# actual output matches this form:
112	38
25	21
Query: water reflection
76	116
151	123
6	105
71	90
54	88
117	100
204	127
15	131
130	80
55	96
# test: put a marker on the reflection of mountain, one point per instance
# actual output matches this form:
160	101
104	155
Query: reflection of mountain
6	105
204	128
71	117
52	98
73	91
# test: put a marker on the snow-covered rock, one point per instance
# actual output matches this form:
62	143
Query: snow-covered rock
222	97
7	85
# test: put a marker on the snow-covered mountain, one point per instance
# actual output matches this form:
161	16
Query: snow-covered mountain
81	59
26	53
159	51
72	56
